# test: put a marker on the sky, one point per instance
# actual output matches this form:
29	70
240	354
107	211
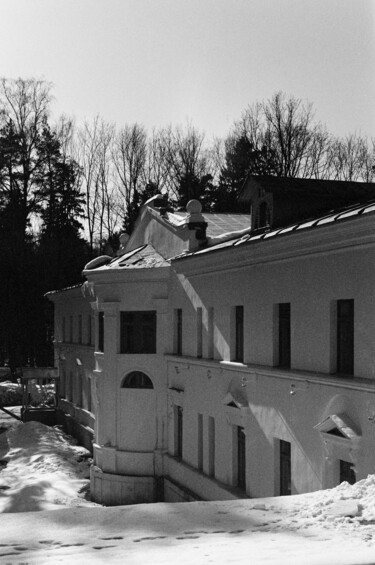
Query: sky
161	62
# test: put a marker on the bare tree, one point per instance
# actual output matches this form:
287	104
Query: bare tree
283	128
94	154
352	159
156	167
187	161
129	157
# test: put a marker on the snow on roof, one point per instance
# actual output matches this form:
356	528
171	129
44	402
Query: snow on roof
217	224
348	213
143	257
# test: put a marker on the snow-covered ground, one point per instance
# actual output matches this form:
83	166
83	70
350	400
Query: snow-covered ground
46	518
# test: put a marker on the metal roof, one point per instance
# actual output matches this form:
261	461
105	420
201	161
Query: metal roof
348	213
217	224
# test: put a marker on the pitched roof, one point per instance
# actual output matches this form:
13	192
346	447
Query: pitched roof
348	213
144	257
342	190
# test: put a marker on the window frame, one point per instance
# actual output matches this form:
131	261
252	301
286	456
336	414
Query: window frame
138	335
345	337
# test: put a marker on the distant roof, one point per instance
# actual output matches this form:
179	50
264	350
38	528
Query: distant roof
217	224
143	257
342	214
327	188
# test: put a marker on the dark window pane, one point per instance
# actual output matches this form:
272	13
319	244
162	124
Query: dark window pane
345	337
179	331
137	379
138	332
284	335
346	472
179	424
239	334
285	468
241	458
101	331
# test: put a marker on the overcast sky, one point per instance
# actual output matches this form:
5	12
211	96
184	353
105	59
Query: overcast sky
160	62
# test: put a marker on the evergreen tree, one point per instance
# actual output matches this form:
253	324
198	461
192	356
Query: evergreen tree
62	250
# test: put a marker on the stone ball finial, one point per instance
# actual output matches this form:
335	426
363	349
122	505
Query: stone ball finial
124	238
194	207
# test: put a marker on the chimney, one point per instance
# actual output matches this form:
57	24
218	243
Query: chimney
196	224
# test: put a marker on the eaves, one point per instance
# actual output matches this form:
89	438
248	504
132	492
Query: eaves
126	275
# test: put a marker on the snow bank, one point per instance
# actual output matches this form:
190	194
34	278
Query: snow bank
10	394
41	469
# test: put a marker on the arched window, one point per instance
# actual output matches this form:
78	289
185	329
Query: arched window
137	379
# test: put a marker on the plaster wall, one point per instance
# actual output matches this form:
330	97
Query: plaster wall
278	406
312	285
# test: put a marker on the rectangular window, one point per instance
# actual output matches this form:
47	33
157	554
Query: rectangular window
211	446
239	334
89	331
199	332
138	332
178	431
80	329
284	335
178	331
210	333
63	329
345	337
101	331
71	329
285	468
62	387
241	458
346	472
200	442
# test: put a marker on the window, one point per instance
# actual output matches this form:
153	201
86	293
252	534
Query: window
347	472
210	331
284	335
63	329
62	386
345	337
89	332
138	332
285	468
241	458
178	431
178	331
137	379
71	329
101	331
211	446
80	329
200	442
239	334
199	332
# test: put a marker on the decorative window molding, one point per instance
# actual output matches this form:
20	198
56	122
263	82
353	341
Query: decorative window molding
338	426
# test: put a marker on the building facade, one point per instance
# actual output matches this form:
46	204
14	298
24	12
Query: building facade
227	363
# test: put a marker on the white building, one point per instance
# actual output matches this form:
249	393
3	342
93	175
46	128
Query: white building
232	365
